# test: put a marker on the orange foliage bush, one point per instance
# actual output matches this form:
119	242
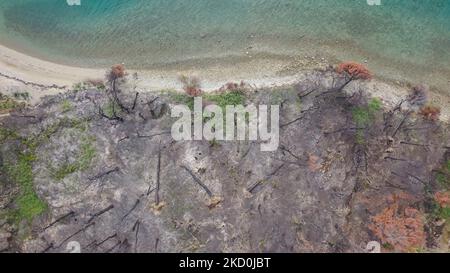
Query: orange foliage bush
402	229
443	199
430	112
354	70
117	71
191	85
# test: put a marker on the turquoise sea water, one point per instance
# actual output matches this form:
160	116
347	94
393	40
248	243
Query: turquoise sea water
144	33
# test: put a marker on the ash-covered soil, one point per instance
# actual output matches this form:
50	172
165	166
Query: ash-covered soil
71	174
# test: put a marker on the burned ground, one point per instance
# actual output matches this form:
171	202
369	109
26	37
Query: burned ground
123	185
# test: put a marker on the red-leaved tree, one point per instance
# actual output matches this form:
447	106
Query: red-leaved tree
354	70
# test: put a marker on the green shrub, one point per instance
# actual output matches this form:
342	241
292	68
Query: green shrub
443	176
6	134
28	204
363	116
182	98
444	213
9	104
111	107
21	95
223	99
66	106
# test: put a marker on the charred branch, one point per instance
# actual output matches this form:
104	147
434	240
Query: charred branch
83	229
291	122
65	216
335	89
103	211
345	129
401	123
113	117
50	246
124	138
198	181
307	93
106	239
136	227
105	173
131	210
284	149
142	117
135	101
252	188
114	247
158	177
395	159
151	136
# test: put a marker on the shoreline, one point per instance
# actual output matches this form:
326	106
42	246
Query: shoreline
23	73
19	69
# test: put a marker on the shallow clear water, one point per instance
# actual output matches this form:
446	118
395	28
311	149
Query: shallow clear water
144	33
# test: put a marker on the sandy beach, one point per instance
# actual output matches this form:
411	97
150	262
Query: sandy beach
31	69
267	70
260	72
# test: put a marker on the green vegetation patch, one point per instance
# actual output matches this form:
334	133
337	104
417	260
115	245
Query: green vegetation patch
27	204
66	106
443	175
19	169
222	99
8	104
182	98
363	116
89	84
21	95
444	213
110	107
6	134
82	162
440	212
34	141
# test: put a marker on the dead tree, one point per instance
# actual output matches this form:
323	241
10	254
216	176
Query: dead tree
158	176
402	122
114	76
350	71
